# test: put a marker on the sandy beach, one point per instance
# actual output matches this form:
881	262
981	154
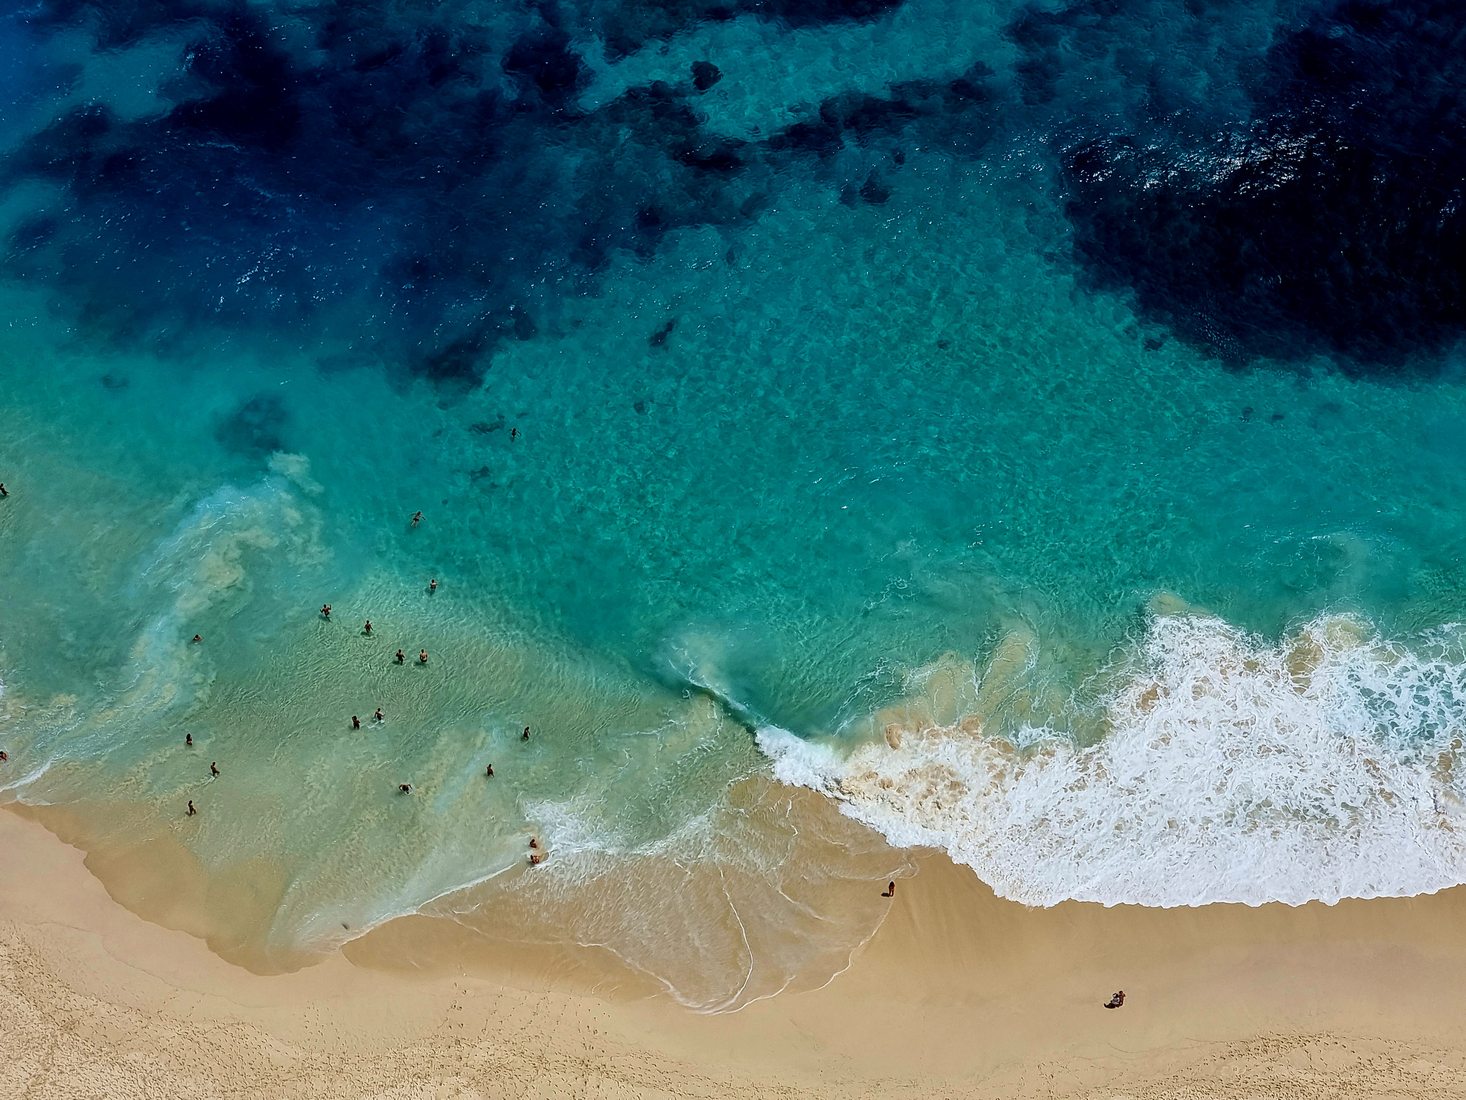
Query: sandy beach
958	994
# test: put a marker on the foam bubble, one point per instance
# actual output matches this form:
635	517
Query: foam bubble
1321	767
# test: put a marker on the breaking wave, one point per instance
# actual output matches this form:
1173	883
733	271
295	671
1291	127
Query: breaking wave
1231	769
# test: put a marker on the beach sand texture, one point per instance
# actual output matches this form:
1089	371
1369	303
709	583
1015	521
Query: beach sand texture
958	995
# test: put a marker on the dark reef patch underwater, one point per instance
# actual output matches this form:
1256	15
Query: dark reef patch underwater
1329	222
434	169
435	166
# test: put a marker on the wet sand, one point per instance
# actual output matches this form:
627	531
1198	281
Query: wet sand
958	994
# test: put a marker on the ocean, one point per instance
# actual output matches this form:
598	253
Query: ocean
1037	429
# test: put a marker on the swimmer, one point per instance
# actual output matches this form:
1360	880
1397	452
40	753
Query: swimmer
405	788
4	756
535	859
191	810
188	740
422	657
401	656
534	842
4	492
416	518
489	771
355	722
379	716
214	768
525	735
513	433
325	611
433	585
197	638
367	630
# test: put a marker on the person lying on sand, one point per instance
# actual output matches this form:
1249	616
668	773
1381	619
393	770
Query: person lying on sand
1117	1000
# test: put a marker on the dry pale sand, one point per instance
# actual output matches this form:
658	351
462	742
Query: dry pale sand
958	995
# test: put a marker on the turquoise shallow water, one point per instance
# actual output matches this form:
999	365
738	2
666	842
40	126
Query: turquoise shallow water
849	439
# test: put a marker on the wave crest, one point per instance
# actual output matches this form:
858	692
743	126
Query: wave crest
1232	770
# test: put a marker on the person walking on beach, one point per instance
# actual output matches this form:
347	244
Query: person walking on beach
422	657
890	889
191	810
325	611
214	768
355	722
416	518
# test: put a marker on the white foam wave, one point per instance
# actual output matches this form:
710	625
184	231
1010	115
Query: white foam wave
1319	768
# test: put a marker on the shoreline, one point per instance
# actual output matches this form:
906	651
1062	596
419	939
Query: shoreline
958	993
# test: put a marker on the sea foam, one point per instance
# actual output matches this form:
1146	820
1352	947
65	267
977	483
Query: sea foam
1232	769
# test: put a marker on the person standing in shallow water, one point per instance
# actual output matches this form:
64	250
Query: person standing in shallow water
433	585
525	735
355	722
325	611
188	740
367	630
422	657
214	768
401	656
191	810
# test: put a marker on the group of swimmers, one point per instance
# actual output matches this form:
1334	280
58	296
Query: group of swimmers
401	657
536	857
